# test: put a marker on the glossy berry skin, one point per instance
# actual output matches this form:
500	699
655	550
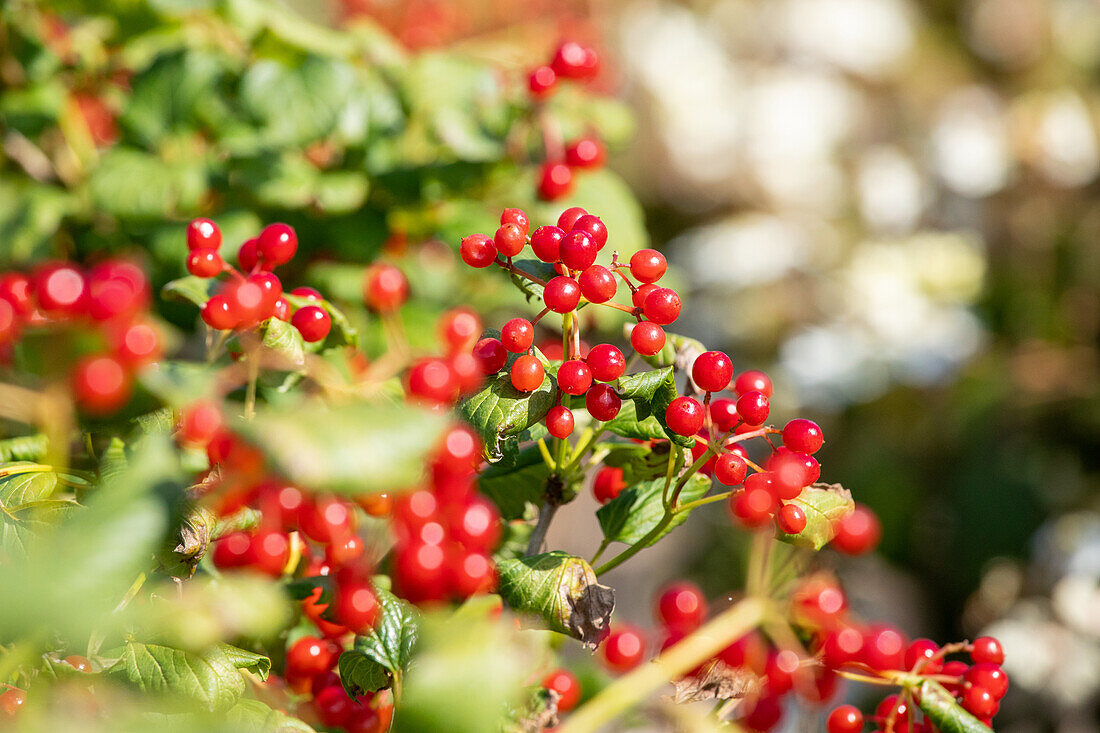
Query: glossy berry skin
471	573
135	344
281	310
203	234
842	646
648	265
602	402
597	284
478	250
248	254
15	288
623	649
517	217
803	436
542	81
491	355
357	606
234	550
858	532
278	243
204	263
385	288
990	676
765	714
753	507
594	227
606	362
310	656
684	416
723	413
884	648
662	306
845	719
608	484
712	371
980	702
271	289
313	322
555	181
420	572
791	518
476	526
509	240
562	294
588	152
753	408
638	296
333	706
431	379
546	243
12	701
101	384
569	60
569	217
681	606
269	552
60	289
527	373
567	686
199	423
987	649
730	469
647	338
517	335
753	381
559	421
574	377
923	652
459	328
578	249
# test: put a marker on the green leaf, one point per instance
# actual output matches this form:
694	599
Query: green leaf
676	346
130	183
943	710
499	410
211	680
25	506
284	338
560	590
512	485
178	383
257	664
189	289
341	324
253	716
23	483
349	448
320	87
24	448
640	462
341	192
627	425
542	270
824	505
634	513
172	94
652	392
379	659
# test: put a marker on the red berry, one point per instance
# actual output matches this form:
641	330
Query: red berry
990	676
641	293
647	338
684	416
246	300
203	234
100	384
753	381
730	469
15	288
420	573
476	526
527	373
647	265
204	263
987	649
555	181
467	371
79	663
471	573
803	436
923	652
559	421
594	227
517	217
723	413
569	60
606	362
608	484
753	408
115	288
344	550
842	647
681	606
546	243
248	255
578	249
597	284
11	701
858	532
588	152
602	402
199	423
662	306
308	294
765	714
562	294
980	702
491	355
357	606
753	507
780	670
234	550
277	244
791	519
313	322
460	450
60	289
385	288
310	656
459	328
270	550
567	686
517	335
845	719
623	649
272	290
712	371
884	649
431	379
541	81
136	343
574	377
509	240
478	250
333	706
325	520
569	217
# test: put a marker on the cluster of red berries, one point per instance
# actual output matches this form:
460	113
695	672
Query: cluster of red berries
111	297
13	698
245	301
309	670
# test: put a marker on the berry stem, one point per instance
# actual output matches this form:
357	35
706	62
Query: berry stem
522	273
546	514
546	457
702	502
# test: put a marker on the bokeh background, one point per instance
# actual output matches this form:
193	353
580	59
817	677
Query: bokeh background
890	205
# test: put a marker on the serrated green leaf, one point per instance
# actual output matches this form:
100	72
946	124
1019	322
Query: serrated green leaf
379	659
942	708
257	664
351	448
253	716
512	485
25	482
210	680
499	410
284	338
113	460
561	590
824	505
25	507
627	425
635	512
640	462
189	289
24	448
652	392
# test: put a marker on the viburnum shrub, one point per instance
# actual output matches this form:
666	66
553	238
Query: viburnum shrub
264	527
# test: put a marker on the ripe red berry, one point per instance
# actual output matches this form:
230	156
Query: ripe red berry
662	306
980	702
135	344
987	649
569	60
923	652
541	81
308	293
753	381
563	682
723	413
559	421
203	234
884	648
234	550
248	255
431	379
684	416
15	287
517	335
476	525
246	300
842	646
588	152
647	338
606	362
594	227
597	284
60	289
845	719
764	715
385	288
478	250
199	423
313	322
578	249
569	217
647	265
333	706
602	402
574	377
712	371
420	572
491	355
990	676
272	290
546	243
100	384
460	450
115	288
9	322
623	649
608	484
277	244
730	469
641	293
753	507
791	518
79	663
681	606
517	217
753	408
527	373
12	701
562	294
269	551
310	656
357	606
204	263
858	532
803	436
458	328
555	181
509	240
